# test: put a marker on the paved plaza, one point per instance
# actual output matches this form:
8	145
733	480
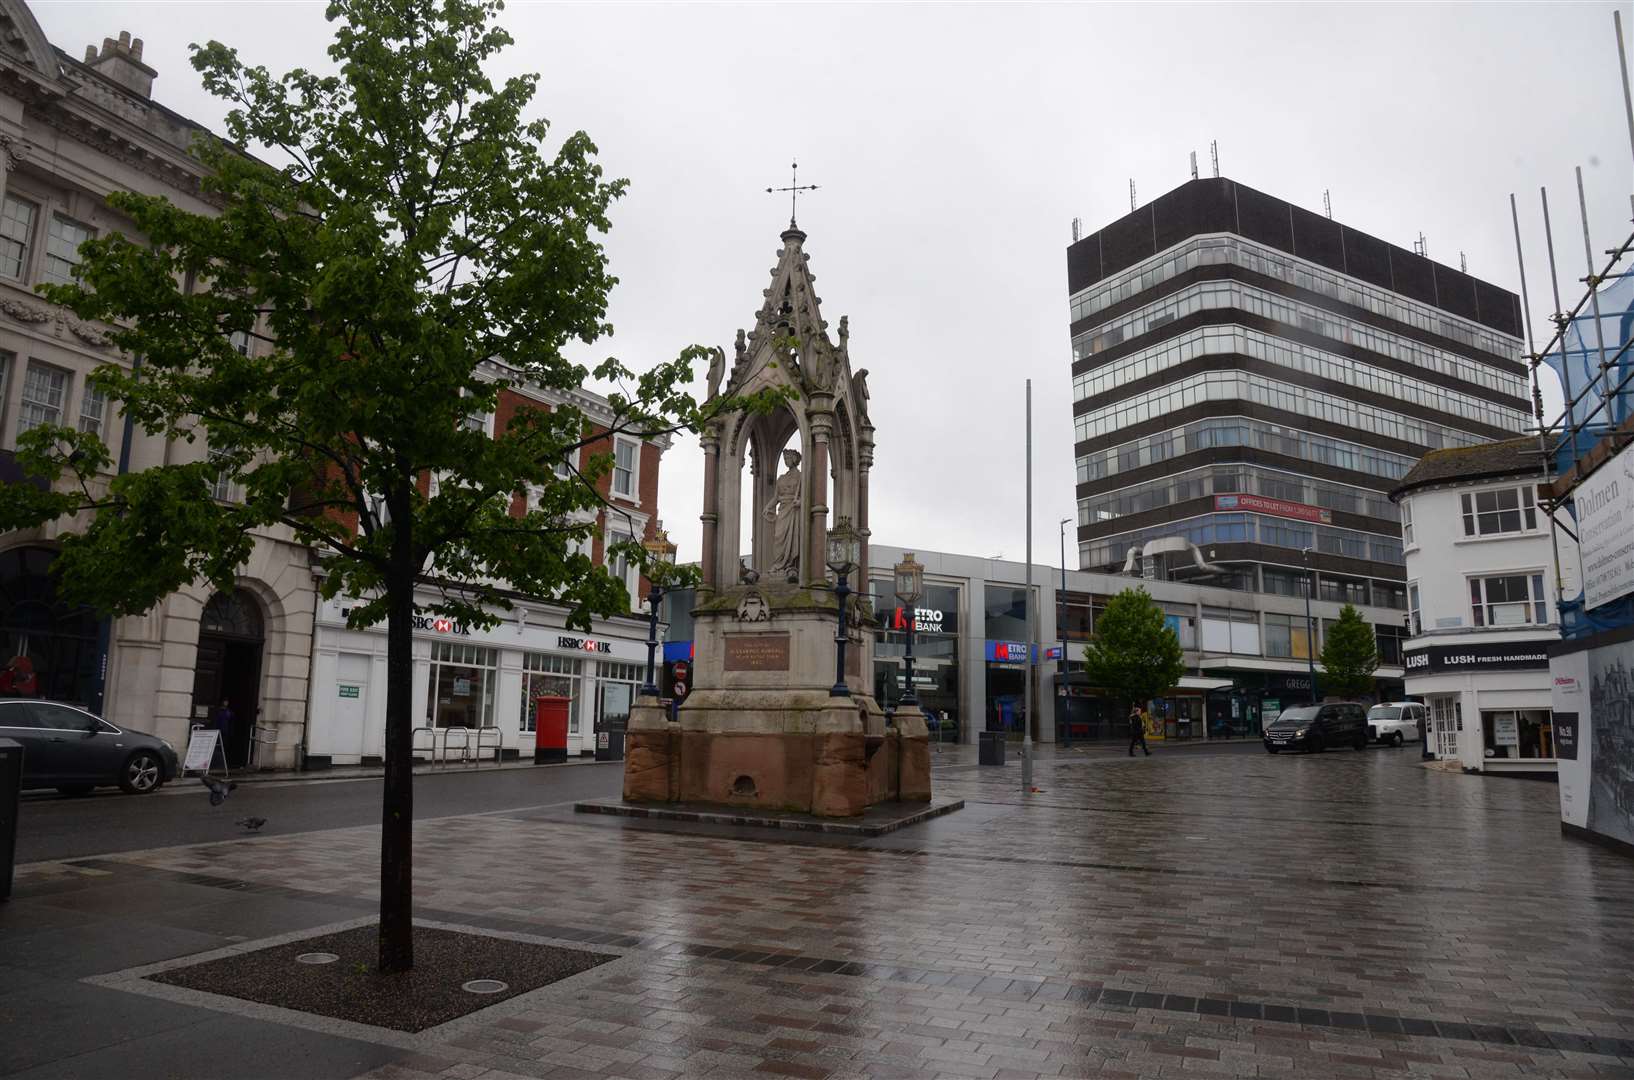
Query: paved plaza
1194	913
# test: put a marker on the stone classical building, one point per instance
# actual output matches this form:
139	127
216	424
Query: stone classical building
72	131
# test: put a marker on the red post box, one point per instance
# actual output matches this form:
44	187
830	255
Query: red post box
550	729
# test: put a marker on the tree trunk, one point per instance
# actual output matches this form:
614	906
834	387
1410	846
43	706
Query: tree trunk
397	803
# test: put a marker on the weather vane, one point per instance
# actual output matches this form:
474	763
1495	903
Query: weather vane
794	189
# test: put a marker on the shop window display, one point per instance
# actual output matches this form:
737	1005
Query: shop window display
461	691
544	675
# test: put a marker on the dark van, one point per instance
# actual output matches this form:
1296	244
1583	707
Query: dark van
1317	727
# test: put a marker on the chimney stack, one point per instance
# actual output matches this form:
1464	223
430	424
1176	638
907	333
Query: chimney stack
121	62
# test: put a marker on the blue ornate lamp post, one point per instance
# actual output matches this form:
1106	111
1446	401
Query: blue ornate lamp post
661	556
844	553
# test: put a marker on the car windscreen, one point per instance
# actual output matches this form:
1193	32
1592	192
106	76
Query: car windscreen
1302	715
1384	712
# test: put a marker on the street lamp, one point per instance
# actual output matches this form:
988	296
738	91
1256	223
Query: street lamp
1310	631
660	557
1061	721
844	554
910	586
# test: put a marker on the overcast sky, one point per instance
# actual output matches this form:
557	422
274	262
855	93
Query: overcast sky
953	146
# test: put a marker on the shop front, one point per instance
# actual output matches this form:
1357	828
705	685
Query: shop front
472	686
1490	704
935	653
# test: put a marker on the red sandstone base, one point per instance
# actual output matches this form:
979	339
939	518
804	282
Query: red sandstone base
826	774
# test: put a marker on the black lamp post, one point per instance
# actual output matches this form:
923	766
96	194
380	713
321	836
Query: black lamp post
661	556
1310	629
843	556
910	586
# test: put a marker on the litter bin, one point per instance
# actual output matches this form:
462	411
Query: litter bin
550	729
11	786
990	747
610	738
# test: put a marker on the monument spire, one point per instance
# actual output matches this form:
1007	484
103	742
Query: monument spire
794	189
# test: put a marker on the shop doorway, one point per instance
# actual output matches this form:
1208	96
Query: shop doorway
231	642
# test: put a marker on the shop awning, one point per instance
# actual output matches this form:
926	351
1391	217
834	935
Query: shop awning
1193	682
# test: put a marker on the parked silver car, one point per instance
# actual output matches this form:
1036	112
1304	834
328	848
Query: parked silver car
73	751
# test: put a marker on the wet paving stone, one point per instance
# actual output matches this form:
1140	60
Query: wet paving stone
1310	916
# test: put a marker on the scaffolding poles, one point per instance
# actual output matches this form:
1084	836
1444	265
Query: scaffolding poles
1537	394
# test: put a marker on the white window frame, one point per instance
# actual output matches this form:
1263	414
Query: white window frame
29	229
1407	542
61	405
1470	514
613	534
564	468
486	426
223	488
240	341
93	409
48	272
1535	607
634	492
8	364
1415	612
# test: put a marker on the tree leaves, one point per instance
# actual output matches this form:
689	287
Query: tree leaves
1350	655
1134	656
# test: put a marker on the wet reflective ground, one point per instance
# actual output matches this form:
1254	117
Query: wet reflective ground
1347	914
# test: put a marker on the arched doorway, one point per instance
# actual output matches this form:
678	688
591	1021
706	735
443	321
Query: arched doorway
47	647
231	639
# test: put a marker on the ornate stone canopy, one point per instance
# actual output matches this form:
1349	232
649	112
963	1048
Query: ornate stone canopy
825	423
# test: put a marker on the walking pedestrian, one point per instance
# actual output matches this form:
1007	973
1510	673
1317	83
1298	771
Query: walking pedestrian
1137	730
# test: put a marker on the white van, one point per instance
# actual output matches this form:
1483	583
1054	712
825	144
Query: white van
1396	722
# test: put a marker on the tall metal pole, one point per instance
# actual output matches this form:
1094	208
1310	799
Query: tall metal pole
1622	66
1061	724
1559	319
1537	391
1594	303
1032	613
1310	628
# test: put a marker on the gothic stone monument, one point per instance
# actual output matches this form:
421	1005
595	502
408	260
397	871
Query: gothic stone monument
761	728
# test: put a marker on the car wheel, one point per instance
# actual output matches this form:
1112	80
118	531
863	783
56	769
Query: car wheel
1270	749
1396	740
1360	743
143	773
76	789
1314	744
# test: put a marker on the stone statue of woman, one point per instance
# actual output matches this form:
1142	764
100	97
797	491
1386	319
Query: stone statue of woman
784	514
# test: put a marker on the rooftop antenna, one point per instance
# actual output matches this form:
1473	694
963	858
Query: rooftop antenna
1463	263
1420	247
1077	229
1131	194
1327	204
1214	156
1194	164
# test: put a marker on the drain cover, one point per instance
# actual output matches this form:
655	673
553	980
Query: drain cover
316	958
485	986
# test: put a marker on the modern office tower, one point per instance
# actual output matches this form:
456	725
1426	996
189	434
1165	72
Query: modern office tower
1250	379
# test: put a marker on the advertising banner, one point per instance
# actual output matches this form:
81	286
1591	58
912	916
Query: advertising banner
1259	504
1594	739
1605	529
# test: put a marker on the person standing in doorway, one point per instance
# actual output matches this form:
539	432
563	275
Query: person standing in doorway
221	718
1137	730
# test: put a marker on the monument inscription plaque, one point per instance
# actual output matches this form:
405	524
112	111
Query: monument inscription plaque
757	652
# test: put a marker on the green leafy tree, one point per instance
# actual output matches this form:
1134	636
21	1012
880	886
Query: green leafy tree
1350	655
415	229
1134	656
